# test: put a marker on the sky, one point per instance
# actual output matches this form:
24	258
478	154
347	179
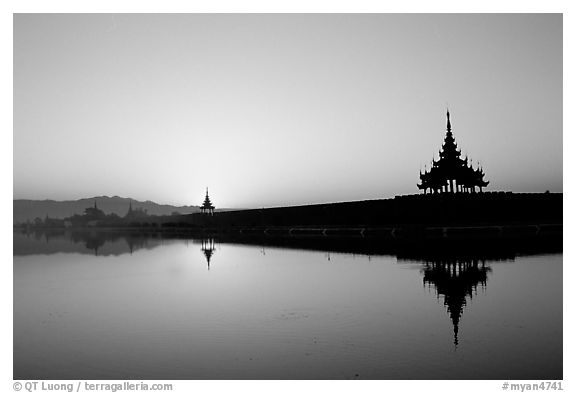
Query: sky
281	109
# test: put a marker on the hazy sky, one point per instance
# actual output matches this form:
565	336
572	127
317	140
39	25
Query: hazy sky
283	109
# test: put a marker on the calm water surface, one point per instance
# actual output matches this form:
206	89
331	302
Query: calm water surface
87	308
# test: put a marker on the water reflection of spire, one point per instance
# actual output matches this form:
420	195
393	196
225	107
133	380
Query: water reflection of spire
134	243
94	243
455	280
208	247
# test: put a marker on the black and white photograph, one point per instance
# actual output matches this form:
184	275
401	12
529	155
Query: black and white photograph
287	196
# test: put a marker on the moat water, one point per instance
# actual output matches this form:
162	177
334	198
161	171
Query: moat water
93	307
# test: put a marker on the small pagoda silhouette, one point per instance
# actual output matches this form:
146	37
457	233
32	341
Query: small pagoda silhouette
135	213
207	207
93	212
451	173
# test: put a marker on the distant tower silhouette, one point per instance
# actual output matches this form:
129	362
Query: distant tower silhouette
207	206
130	212
94	212
135	213
451	173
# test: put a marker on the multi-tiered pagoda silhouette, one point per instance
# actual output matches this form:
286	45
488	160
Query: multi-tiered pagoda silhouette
451	173
207	206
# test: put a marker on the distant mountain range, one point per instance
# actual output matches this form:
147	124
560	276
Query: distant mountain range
27	209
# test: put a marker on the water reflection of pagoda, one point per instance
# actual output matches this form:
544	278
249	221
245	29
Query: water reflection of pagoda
136	242
455	280
208	247
451	173
92	240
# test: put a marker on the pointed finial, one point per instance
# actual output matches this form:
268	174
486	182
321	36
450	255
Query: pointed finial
448	125
455	336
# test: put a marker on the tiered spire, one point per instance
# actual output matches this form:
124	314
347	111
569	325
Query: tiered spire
207	206
451	173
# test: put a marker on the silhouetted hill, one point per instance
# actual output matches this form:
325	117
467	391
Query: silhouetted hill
26	209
